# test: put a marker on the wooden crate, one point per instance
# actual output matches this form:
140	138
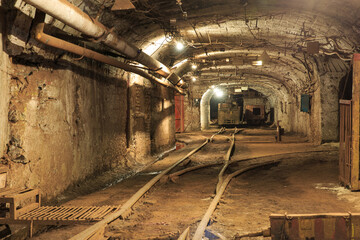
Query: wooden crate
19	201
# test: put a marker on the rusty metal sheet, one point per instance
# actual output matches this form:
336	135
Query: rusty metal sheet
122	5
315	226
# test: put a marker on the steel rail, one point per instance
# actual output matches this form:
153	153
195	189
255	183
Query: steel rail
172	176
193	168
204	221
227	159
222	130
93	231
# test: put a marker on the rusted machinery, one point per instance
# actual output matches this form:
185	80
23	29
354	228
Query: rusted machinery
255	114
229	114
337	226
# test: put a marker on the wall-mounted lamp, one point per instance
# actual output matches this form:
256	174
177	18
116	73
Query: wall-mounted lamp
193	79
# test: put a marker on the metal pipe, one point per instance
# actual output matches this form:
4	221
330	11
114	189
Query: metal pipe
77	19
70	47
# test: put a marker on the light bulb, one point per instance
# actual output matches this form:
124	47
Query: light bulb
179	46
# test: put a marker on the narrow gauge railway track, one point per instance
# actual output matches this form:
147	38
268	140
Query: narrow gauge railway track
220	189
97	230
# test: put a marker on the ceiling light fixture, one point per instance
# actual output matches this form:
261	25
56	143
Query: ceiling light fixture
194	66
257	63
193	79
180	46
218	92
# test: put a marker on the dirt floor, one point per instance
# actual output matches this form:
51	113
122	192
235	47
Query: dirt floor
306	181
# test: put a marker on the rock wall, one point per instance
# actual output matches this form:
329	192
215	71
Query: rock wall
192	114
162	119
65	124
64	119
330	106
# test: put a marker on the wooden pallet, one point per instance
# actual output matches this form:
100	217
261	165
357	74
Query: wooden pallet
65	213
23	206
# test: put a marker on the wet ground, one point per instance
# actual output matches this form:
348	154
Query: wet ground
306	181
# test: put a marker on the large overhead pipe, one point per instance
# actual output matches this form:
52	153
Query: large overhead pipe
77	19
70	47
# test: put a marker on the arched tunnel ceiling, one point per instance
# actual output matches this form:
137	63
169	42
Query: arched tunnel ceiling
224	37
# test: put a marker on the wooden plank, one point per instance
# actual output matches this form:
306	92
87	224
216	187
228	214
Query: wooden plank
44	222
28	193
60	215
100	211
79	213
46	212
27	209
83	213
355	124
110	210
63	213
76	210
31	213
9	191
38	212
89	213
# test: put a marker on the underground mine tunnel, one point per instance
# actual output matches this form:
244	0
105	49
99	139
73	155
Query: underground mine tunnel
179	119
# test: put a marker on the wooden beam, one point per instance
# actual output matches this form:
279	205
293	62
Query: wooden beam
355	124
